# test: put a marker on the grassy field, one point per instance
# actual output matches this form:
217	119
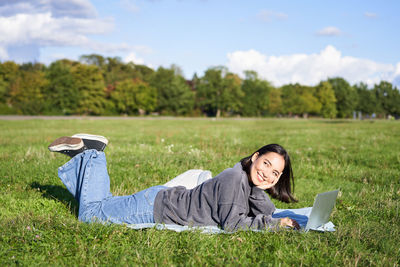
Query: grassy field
38	223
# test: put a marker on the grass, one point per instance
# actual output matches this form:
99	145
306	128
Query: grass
38	223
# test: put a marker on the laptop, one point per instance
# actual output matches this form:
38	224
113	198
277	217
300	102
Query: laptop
321	210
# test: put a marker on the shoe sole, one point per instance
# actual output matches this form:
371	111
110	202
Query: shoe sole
66	143
91	137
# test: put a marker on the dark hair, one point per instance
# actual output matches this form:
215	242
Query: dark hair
283	189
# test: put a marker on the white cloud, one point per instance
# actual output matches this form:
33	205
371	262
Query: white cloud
58	23
310	69
58	8
44	29
131	57
329	31
268	15
370	15
3	53
397	72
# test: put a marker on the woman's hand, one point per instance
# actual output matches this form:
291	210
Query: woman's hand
290	223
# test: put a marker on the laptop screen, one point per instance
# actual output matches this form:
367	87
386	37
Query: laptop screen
322	209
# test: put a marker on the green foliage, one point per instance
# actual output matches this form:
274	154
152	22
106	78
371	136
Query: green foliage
346	97
27	92
299	100
8	74
114	70
3	90
6	109
133	96
231	94
219	92
256	93
326	96
174	96
275	101
89	82
39	225
62	94
93	59
142	72
367	101
88	87
32	67
388	97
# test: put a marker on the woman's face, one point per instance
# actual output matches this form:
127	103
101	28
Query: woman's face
266	169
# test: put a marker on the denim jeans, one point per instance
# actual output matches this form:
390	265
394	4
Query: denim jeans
86	178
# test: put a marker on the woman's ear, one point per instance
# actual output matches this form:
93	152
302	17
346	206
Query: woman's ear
254	157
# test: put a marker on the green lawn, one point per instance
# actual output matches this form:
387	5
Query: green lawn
38	223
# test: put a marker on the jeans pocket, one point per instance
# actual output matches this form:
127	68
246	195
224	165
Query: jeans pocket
151	193
150	196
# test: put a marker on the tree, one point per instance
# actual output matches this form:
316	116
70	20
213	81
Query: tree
209	92
174	96
133	95
177	70
27	92
256	95
8	74
114	70
142	72
91	89
62	93
220	92
232	94
39	67
326	96
310	102
275	101
367	102
346	97
3	90
300	100
388	98
146	97
93	59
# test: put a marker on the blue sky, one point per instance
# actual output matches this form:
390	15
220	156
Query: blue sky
284	41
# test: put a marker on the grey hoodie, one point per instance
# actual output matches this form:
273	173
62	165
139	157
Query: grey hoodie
228	200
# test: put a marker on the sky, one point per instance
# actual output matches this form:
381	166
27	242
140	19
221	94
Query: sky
287	41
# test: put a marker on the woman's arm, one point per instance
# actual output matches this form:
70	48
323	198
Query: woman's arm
234	217
260	203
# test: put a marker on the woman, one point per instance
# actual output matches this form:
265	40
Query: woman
234	199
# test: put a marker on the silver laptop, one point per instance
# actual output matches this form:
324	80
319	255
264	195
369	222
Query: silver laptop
321	210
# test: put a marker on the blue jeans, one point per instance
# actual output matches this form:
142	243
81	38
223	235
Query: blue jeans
86	178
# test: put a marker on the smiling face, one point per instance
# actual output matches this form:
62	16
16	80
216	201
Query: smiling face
266	169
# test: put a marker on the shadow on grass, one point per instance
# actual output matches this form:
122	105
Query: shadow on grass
59	193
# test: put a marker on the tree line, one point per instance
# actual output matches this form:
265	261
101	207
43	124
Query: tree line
97	85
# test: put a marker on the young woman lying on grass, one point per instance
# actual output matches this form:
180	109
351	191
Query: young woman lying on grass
234	199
